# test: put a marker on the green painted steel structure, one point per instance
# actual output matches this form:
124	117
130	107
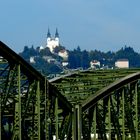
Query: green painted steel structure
30	107
109	101
117	110
84	105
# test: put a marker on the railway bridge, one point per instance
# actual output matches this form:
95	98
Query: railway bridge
82	105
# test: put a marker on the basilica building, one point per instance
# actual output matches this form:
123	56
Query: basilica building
52	42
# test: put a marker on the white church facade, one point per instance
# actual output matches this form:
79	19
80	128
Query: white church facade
52	42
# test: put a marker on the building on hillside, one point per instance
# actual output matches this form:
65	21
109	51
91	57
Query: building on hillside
65	63
95	64
52	42
122	63
41	48
49	59
32	59
63	54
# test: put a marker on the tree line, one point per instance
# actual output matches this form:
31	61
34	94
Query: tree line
79	58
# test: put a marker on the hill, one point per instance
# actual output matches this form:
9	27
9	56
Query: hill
52	63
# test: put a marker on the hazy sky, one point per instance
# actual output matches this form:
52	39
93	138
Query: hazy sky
92	24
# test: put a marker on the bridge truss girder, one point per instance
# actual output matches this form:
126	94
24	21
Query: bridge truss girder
109	103
30	107
113	112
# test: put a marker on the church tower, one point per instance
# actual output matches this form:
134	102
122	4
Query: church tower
48	35
57	37
52	43
56	34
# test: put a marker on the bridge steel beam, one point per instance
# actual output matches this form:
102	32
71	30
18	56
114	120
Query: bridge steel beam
17	118
79	87
117	109
30	107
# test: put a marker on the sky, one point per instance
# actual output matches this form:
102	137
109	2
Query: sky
105	25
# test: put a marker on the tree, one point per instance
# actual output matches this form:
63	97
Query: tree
45	52
85	60
58	48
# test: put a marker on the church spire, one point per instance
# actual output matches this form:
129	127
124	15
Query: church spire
56	34
48	34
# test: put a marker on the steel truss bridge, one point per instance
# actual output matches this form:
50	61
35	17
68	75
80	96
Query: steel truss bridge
83	105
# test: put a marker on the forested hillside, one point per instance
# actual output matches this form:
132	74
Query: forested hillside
77	58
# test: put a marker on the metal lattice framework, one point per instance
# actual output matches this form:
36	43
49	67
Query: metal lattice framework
106	103
113	112
78	86
98	104
30	107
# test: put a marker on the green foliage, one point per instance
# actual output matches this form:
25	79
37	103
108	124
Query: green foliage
44	67
45	52
41	64
27	52
130	54
59	48
78	58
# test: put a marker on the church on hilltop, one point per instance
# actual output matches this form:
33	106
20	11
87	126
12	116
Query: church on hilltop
52	42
